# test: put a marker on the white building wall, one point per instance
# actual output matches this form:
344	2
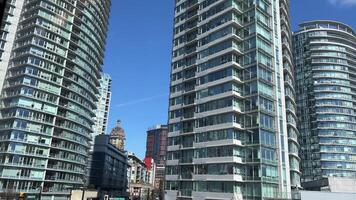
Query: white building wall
314	195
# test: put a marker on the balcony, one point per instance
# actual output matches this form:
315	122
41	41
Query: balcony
185	193
60	168
219	177
185	160
186	175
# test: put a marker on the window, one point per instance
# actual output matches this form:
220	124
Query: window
220	151
267	121
265	89
265	75
218	119
268	138
266	104
268	154
224	134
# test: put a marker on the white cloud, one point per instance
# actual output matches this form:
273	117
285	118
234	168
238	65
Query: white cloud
343	2
139	101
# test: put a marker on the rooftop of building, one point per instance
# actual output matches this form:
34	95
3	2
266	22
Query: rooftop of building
132	156
329	24
157	127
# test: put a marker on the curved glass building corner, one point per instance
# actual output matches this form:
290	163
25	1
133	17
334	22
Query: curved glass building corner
49	96
289	90
325	71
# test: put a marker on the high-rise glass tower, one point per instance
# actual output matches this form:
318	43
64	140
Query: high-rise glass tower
50	94
289	95
325	76
232	124
104	99
101	115
9	18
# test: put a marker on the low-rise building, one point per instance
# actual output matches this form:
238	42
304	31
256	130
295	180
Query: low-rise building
108	172
83	194
159	182
332	184
141	178
318	195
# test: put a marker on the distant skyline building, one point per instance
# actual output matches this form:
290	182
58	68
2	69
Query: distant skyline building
232	123
156	143
103	105
118	137
156	148
49	94
325	71
101	115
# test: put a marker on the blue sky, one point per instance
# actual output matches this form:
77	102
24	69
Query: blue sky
138	57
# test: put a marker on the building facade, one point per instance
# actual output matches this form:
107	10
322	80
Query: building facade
49	95
156	148
101	115
103	105
158	184
156	144
332	184
316	195
9	18
141	178
290	97
232	110
108	171
325	67
117	136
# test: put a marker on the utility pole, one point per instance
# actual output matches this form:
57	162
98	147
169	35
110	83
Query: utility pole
83	193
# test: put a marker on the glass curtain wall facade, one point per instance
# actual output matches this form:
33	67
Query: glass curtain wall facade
325	76
228	132
102	112
49	95
289	93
